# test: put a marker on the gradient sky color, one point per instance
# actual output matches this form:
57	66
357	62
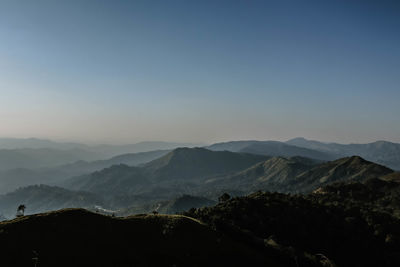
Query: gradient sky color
201	71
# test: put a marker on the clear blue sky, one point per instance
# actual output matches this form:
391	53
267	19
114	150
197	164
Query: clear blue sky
127	71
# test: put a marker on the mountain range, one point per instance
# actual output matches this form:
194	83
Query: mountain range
25	162
174	173
141	182
198	170
200	173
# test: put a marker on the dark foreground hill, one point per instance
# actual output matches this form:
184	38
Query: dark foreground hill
344	224
380	194
81	238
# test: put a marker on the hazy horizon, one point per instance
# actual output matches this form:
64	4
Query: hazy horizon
200	143
209	71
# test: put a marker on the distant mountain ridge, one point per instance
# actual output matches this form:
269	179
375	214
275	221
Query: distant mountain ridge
115	150
382	152
270	148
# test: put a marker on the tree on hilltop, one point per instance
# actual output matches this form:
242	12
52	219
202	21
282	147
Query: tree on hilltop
21	210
